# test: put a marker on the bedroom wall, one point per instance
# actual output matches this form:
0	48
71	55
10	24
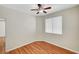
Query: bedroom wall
20	27
70	37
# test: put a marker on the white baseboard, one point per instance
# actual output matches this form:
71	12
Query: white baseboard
18	46
64	47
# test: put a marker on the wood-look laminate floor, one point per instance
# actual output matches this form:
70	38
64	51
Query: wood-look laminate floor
40	47
2	45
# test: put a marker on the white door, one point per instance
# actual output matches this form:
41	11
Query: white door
2	28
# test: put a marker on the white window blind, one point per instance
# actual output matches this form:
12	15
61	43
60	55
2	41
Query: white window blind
54	25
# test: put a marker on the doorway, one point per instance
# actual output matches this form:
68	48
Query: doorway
2	36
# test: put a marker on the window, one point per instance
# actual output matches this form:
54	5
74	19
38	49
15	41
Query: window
54	25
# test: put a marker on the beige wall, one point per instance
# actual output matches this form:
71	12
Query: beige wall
70	37
20	27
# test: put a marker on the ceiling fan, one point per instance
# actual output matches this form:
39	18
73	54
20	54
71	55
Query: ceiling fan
41	8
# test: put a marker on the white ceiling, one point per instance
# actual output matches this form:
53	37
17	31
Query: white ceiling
26	8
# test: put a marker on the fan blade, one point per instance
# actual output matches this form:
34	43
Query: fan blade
47	8
34	9
44	11
37	13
